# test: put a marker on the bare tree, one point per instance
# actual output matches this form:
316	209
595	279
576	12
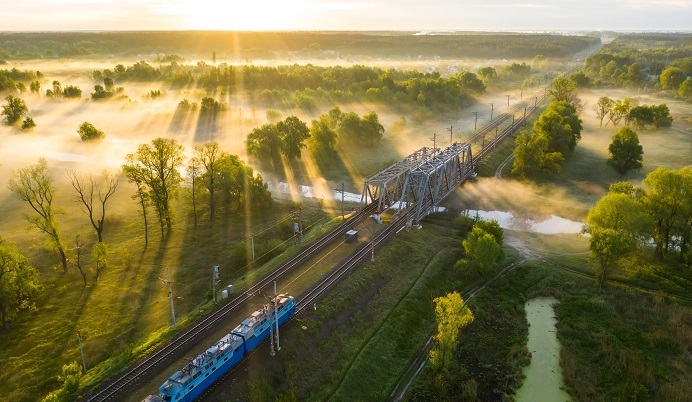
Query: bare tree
34	184
89	192
79	249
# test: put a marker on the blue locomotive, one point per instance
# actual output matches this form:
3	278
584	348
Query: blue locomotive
189	382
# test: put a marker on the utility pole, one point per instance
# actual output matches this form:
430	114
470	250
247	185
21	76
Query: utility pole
524	115
475	121
276	313
521	94
252	245
434	140
170	296
507	102
342	200
214	281
450	134
300	223
269	310
492	107
535	102
81	350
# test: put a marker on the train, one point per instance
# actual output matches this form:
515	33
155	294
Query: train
190	382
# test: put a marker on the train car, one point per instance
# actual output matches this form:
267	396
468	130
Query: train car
189	382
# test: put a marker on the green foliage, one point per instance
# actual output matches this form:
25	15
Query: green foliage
580	79
323	138
552	125
487	73
451	315
28	124
352	130
656	115
88	132
186	105
531	155
685	90
672	77
264	143
156	166
293	133
470	83
625	151
14	110
603	108
71	377
492	227
72	91
19	283
482	253
516	70
101	93
563	90
398	126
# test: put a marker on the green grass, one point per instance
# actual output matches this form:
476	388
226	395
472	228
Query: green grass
126	312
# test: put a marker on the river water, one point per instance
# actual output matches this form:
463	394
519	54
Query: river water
543	380
550	224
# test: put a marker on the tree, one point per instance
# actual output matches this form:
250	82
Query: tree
34	184
666	198
662	117
335	117
614	224
672	78
108	83
531	155
563	91
554	127
194	170
156	166
57	89
21	87
293	133
35	87
264	143
570	116
79	250
372	130
625	151
14	110
273	116
94	196
470	82
136	176
19	283
322	141
28	124
603	108
641	116
451	315
209	155
72	91
492	227
100	93
482	252
608	246
99	253
685	90
487	73
87	132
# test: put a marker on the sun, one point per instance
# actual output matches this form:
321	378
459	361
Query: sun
242	15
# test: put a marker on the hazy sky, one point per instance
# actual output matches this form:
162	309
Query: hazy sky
36	15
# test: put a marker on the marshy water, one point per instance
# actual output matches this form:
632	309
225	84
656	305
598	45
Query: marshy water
543	380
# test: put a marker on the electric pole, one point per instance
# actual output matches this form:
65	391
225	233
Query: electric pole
450	134
276	313
475	121
214	281
81	350
252	245
492	107
342	199
170	296
434	140
507	102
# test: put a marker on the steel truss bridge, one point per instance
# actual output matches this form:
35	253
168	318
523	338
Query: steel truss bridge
420	181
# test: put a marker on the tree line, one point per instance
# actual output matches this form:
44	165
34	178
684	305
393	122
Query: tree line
27	45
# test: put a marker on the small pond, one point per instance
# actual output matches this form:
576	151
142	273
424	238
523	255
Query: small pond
549	224
543	380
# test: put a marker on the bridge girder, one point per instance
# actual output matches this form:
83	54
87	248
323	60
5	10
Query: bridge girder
431	181
386	185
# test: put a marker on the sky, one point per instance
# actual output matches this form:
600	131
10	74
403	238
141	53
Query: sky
407	15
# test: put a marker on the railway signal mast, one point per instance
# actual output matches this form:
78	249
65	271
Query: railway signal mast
274	315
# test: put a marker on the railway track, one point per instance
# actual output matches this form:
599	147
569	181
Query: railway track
143	369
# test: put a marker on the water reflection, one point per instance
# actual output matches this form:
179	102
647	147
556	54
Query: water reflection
550	224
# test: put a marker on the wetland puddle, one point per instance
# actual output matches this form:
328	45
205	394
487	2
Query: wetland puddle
543	380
